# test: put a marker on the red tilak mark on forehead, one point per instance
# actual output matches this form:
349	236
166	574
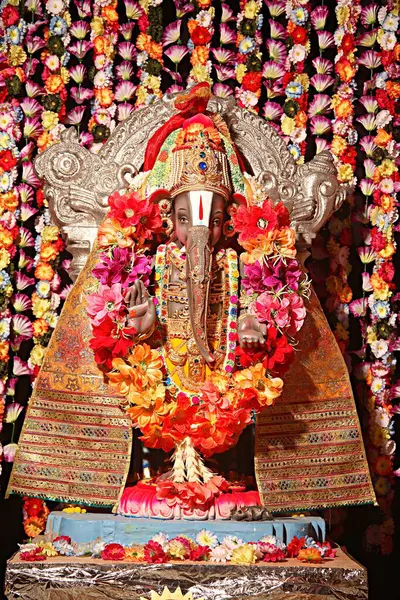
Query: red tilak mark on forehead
201	209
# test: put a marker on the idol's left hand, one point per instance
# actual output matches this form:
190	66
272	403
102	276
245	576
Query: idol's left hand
251	332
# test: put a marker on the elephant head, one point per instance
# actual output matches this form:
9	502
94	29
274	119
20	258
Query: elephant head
198	220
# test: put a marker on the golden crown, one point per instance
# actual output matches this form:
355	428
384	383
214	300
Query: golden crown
199	162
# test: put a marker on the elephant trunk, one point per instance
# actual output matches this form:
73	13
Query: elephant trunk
198	265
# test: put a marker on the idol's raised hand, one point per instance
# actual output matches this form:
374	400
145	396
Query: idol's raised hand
251	332
142	312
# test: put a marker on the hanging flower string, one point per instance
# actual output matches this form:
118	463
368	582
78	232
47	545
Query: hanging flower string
224	56
201	31
150	56
378	307
249	59
294	121
274	69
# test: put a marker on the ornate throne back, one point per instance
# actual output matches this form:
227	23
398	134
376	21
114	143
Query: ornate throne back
78	183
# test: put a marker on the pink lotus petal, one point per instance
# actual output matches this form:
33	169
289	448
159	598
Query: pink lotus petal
20	367
172	33
9	452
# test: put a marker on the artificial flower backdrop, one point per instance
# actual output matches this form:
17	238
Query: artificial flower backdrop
324	76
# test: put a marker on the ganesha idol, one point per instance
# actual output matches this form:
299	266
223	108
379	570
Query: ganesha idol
192	319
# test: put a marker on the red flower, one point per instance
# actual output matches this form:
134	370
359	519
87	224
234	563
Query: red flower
154	553
299	35
130	211
252	81
10	15
143	23
253	221
348	44
280	353
7	160
34	507
295	546
113	552
247	356
40	197
283	215
201	36
108	343
33	555
386	271
378	240
349	155
200	553
276	556
329	551
66	538
346	237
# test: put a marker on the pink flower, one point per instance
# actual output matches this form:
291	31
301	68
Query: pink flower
107	301
284	312
297	313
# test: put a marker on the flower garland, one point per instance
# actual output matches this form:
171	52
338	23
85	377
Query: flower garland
149	59
225	55
205	548
201	30
378	310
320	108
249	64
294	119
35	513
166	415
274	69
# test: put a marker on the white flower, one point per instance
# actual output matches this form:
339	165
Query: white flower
100	61
269	539
388	447
161	539
207	538
297	53
382	418
377	385
204	18
101	80
98	547
299	134
379	348
249	99
383	118
55	6
27	547
219	554
380	80
232	541
391	23
387	40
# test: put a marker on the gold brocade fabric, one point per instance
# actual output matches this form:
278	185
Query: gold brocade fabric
76	442
309	448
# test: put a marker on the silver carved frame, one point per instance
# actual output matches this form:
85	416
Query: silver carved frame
77	182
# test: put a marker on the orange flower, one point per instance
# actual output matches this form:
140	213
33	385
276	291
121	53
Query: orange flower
382	138
102	45
333	285
40	327
310	555
192	24
254	377
200	55
48	252
142	42
4	347
142	369
393	89
204	3
387	202
151	418
54	84
301	119
6	238
344	109
105	96
34	526
284	242
345	69
44	271
110	14
346	294
388	251
155	50
111	233
134	554
44	140
338	145
9	201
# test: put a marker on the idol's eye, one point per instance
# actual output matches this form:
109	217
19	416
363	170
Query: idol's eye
217	222
183	220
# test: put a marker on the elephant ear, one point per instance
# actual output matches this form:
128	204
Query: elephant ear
162	197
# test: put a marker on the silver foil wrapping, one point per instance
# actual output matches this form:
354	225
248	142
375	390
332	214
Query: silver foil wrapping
64	578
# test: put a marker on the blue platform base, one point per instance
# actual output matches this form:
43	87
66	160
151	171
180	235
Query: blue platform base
129	530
